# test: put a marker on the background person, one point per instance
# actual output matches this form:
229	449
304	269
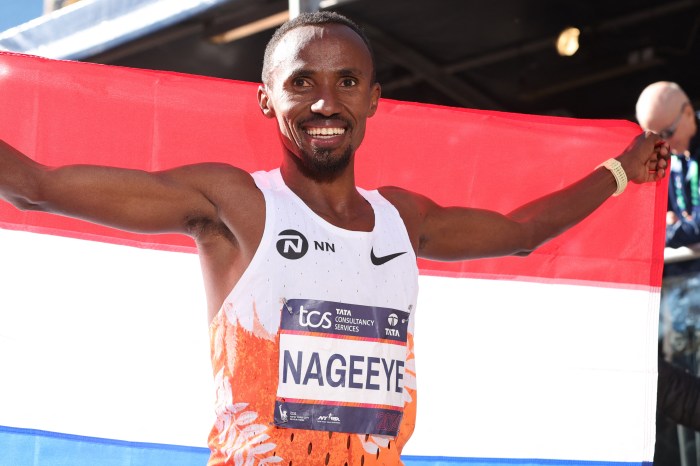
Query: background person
664	108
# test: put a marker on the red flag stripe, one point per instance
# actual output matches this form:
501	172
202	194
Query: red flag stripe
63	112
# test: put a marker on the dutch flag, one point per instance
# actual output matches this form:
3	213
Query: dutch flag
549	359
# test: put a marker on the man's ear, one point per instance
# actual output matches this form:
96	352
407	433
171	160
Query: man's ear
375	93
264	102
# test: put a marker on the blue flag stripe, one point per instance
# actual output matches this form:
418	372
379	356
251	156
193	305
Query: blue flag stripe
27	447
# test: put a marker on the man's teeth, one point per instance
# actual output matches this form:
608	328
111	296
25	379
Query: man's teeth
325	131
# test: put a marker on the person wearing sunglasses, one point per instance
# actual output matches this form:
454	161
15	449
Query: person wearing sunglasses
664	108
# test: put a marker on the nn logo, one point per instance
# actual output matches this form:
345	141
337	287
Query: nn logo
292	244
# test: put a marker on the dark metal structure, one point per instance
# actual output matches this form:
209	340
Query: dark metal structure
491	55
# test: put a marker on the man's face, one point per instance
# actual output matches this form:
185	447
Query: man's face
685	130
676	124
320	90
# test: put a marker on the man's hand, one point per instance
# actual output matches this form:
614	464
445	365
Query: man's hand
646	158
671	218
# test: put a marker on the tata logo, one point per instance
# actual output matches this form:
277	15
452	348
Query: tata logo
314	319
393	319
292	244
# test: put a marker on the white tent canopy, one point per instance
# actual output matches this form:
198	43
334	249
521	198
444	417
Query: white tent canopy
89	27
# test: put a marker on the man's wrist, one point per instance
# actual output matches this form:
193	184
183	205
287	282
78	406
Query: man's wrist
615	167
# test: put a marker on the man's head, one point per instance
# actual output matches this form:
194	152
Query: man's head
310	19
665	109
319	84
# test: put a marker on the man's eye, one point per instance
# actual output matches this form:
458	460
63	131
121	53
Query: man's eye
348	82
300	82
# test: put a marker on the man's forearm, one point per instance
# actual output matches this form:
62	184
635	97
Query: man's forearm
18	177
551	215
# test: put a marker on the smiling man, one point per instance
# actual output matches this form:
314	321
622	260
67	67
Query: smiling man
323	130
311	282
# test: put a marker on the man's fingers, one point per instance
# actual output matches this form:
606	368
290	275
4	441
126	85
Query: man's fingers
662	148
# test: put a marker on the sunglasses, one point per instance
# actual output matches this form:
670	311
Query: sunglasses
668	132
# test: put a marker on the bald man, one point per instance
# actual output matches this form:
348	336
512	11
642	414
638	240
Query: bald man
665	109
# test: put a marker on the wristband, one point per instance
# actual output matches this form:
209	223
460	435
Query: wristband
618	172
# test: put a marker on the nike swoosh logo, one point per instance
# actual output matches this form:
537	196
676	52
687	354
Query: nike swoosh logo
383	259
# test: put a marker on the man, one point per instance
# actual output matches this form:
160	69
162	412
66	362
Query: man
324	382
665	109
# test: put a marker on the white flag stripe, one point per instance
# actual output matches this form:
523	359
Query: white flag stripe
103	340
111	341
553	371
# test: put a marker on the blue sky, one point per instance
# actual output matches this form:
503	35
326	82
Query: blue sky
14	12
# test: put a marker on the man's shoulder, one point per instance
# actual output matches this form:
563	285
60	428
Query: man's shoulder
214	175
215	168
401	196
409	203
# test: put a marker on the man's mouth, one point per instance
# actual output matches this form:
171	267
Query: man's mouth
320	132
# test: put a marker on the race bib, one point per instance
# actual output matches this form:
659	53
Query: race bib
341	367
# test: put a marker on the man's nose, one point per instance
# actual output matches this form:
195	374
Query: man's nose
326	103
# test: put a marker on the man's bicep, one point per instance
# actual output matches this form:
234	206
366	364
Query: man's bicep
131	200
456	233
461	233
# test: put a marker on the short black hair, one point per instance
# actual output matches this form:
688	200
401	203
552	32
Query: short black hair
311	19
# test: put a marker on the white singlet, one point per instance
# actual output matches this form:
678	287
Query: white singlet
312	350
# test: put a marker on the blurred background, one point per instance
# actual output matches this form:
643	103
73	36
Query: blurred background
498	55
582	59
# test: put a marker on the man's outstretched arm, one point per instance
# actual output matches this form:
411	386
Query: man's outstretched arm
133	200
456	233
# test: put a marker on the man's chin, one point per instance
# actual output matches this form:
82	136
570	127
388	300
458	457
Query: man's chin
324	164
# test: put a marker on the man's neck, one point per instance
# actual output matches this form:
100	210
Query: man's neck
334	199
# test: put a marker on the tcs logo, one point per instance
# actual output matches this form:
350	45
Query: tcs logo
314	319
292	244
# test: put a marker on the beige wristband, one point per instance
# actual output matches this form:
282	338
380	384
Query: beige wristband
618	172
